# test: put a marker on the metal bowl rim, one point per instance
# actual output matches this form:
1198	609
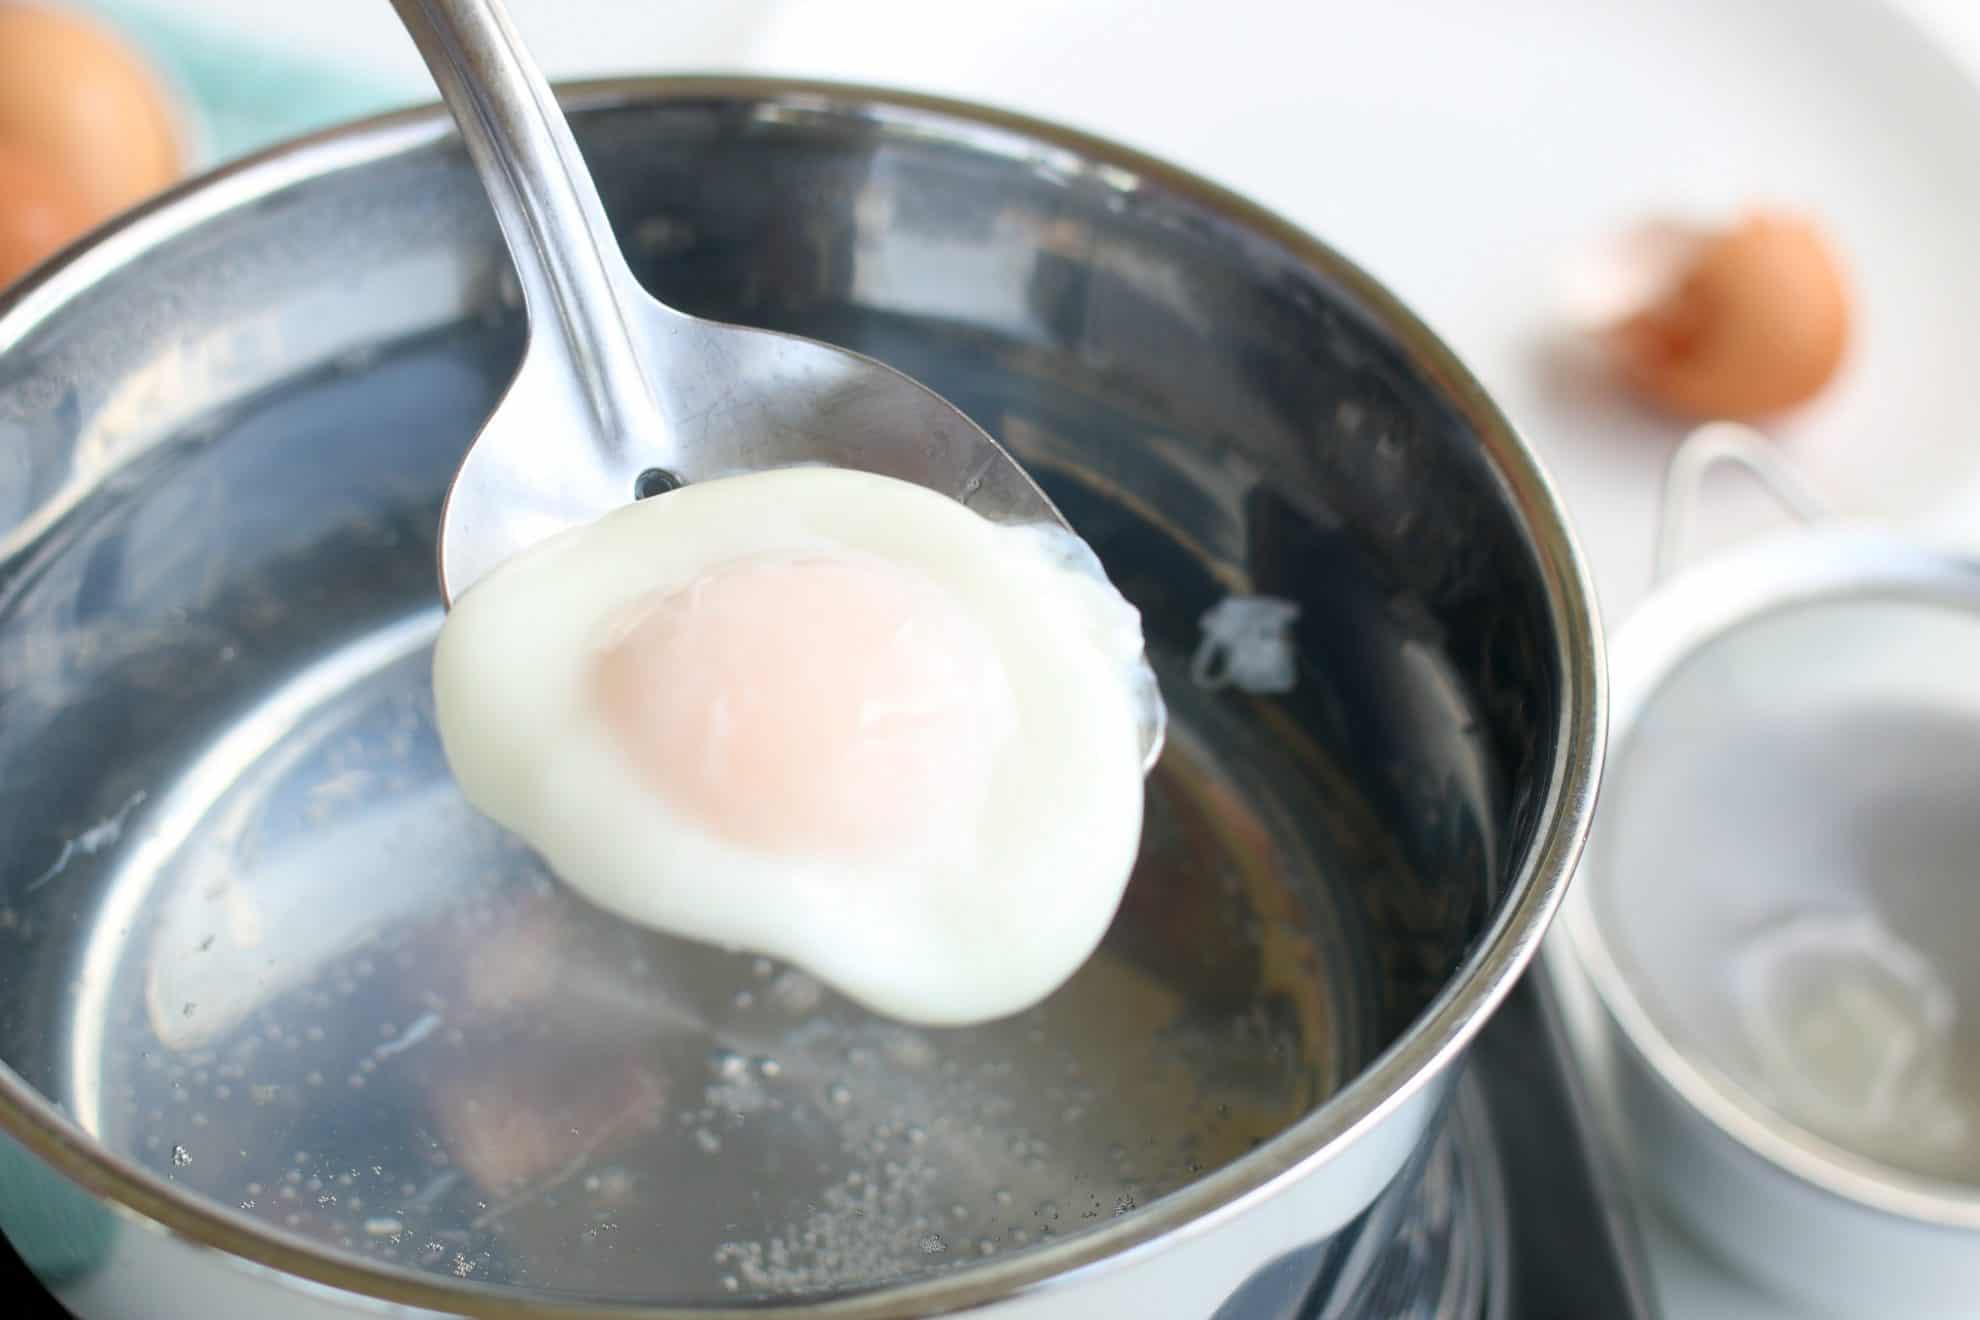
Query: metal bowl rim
1393	1079
1829	565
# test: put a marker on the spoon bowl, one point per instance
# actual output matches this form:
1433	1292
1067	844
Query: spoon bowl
620	396
730	399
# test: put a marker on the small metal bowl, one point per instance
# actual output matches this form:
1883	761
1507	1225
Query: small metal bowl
1777	908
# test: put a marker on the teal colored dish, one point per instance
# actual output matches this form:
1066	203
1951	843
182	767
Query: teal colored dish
60	1231
245	95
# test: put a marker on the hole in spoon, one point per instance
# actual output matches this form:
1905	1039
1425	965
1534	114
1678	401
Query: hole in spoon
654	481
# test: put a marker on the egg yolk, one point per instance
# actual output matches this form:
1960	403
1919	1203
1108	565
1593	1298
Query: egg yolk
832	704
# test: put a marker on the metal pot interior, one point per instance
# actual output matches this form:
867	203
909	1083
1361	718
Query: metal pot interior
252	943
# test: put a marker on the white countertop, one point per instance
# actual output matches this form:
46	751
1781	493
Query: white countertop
680	34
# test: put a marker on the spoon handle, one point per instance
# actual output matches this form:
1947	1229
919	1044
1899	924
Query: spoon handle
572	271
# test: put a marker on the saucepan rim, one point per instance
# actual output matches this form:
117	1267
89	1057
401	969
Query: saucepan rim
1430	1044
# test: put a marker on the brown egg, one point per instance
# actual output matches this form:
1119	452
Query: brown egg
41	209
1752	321
74	94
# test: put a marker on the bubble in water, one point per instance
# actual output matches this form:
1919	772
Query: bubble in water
933	1244
1002	1196
1047	1210
708	1141
729	1065
986	1247
612	1186
383	1226
181	1157
795	993
839	1094
910	1049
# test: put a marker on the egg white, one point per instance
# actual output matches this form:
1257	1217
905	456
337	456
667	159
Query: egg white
979	932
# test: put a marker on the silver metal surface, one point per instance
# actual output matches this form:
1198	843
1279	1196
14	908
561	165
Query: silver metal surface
322	1036
1450	1260
1781	875
1717	445
613	382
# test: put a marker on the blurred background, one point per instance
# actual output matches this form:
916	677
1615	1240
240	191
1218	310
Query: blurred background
1480	159
1470	156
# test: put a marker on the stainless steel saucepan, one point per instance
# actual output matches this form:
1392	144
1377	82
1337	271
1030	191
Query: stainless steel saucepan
288	1029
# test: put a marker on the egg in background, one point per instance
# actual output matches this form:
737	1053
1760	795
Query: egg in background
41	209
1744	320
87	129
822	715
